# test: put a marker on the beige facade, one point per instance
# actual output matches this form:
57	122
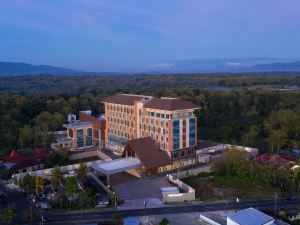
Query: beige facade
167	122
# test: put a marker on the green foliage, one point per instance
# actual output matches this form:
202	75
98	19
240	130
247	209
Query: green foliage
262	118
233	164
164	221
29	216
71	186
58	158
56	176
228	164
82	170
39	185
86	199
116	216
27	181
7	215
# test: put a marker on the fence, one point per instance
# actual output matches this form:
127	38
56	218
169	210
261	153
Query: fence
46	173
187	195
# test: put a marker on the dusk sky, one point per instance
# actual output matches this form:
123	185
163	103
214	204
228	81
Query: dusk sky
116	35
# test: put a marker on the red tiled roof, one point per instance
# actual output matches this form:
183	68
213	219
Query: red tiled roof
39	153
262	158
278	160
12	157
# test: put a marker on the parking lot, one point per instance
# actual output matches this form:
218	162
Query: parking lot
129	187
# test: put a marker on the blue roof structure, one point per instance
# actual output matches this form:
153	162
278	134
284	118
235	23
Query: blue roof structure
250	216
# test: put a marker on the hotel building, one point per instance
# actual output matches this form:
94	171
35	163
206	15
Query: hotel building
171	122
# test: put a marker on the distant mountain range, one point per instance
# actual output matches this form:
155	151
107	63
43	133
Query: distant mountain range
172	66
228	65
12	68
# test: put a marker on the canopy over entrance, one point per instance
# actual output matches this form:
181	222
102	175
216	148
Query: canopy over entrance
117	165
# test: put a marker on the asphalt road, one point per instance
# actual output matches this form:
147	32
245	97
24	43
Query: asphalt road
89	217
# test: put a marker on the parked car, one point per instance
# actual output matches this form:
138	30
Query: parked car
44	204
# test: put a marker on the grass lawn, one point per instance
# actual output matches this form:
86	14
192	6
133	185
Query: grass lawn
209	187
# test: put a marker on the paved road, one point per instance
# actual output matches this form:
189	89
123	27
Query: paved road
89	217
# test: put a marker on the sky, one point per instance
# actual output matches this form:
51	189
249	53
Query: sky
116	35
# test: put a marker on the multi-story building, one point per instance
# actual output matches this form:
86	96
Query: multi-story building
86	133
171	122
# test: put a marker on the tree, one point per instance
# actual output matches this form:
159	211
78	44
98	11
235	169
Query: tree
87	198
56	176
228	164
39	185
7	215
277	139
249	139
82	170
28	215
164	221
116	216
71	187
25	135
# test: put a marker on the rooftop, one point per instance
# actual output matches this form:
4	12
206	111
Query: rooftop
117	165
164	103
206	144
250	216
169	104
147	151
78	124
123	99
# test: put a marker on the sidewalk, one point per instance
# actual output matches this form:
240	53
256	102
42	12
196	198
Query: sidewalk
140	204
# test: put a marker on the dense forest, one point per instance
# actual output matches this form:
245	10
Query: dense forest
76	85
33	106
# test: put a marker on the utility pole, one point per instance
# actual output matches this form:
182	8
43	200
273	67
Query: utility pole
275	205
81	204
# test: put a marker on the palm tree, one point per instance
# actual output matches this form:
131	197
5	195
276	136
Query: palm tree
56	177
39	185
82	170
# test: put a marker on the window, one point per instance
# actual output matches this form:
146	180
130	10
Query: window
167	116
162	116
80	141
88	140
175	155
96	134
192	131
152	113
70	133
175	135
158	115
182	154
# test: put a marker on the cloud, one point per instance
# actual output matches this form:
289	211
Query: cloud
235	64
164	65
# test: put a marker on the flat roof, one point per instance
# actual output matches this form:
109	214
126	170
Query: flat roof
117	165
250	216
78	124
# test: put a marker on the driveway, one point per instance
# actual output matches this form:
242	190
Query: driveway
129	187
